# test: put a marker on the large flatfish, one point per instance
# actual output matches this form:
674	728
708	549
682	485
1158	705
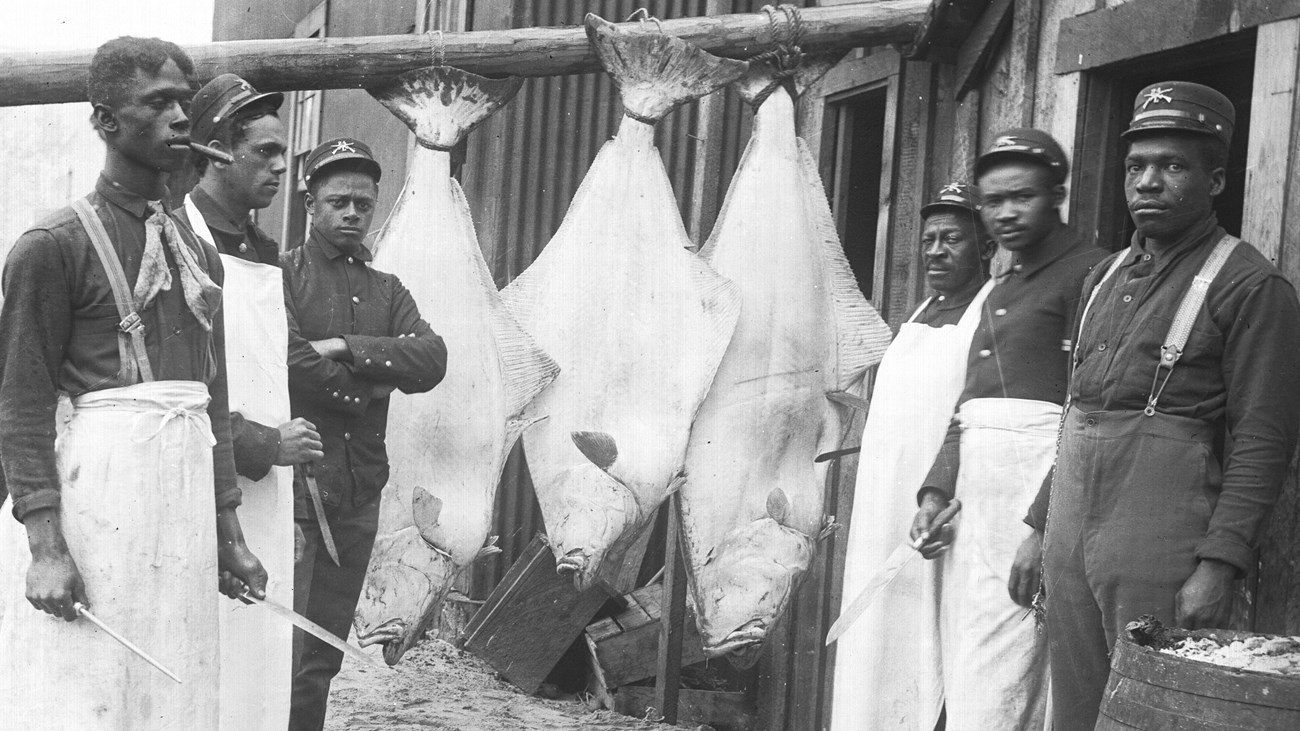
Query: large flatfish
637	322
446	447
752	503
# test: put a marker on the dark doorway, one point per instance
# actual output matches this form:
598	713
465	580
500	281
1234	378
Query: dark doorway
1226	64
856	122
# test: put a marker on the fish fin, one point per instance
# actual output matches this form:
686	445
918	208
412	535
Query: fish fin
862	334
442	104
813	67
853	401
596	446
763	77
490	547
426	508
829	527
778	505
526	368
675	484
721	299
759	81
656	72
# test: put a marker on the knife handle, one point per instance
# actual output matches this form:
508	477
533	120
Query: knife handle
940	520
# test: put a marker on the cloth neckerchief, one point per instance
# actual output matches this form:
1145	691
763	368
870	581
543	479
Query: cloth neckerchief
202	295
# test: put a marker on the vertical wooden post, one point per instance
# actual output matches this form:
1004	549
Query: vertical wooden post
669	677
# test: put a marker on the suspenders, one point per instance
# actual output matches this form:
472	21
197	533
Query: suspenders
130	331
1181	328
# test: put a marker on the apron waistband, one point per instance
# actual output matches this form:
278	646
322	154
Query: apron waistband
160	396
1023	415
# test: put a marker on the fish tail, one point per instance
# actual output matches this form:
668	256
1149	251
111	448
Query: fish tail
656	72
441	104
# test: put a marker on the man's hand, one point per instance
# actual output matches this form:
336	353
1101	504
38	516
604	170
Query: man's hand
381	390
1027	570
1205	601
237	567
53	581
333	348
937	538
299	443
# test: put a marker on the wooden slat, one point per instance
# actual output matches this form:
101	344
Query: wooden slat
715	708
531	619
1270	157
668	677
626	655
338	63
879	287
982	44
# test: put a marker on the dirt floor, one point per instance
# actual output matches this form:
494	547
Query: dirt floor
437	686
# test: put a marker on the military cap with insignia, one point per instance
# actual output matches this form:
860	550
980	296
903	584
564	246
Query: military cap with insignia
1183	106
1034	144
339	150
221	98
953	196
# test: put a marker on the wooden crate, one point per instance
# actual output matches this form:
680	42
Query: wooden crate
624	647
720	709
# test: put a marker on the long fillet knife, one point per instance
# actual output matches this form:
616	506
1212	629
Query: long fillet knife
311	628
326	535
887	573
84	611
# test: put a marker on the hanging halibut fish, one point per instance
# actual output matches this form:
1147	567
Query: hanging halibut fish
637	322
446	447
752	504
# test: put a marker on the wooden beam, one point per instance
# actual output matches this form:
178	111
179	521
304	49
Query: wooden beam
1269	157
340	63
982	44
673	616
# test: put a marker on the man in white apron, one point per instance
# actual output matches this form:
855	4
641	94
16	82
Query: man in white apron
1002	440
1184	408
887	666
256	646
114	304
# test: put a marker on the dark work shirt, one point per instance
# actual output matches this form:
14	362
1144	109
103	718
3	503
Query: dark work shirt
1238	370
58	333
1021	348
943	310
256	445
235	236
331	294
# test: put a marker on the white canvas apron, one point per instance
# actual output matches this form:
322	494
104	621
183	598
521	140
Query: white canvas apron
887	665
994	659
135	465
256	646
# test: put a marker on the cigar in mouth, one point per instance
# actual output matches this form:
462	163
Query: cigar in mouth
204	150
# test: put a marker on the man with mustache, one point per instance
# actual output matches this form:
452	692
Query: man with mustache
1000	445
231	116
892	649
1184	408
114	304
355	335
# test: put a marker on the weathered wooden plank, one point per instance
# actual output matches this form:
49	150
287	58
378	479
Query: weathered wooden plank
1270	157
696	706
338	63
982	44
1095	141
628	655
884	219
669	676
531	619
1136	29
912	186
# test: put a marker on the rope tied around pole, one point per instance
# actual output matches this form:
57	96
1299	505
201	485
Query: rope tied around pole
642	15
787	32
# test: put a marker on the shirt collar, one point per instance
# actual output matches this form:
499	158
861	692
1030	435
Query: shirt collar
126	200
333	252
1192	239
1061	241
216	216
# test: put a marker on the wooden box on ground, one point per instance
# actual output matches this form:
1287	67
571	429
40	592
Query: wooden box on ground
624	647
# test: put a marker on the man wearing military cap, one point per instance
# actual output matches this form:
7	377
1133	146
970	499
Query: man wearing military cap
891	649
1002	439
355	334
1184	408
229	115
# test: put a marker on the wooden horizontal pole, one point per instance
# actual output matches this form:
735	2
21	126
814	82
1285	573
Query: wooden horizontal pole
290	64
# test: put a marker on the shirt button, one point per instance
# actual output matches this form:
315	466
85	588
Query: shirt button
1101	347
1128	298
388	364
1000	312
243	248
1146	257
356	300
368	361
985	353
350	260
1092	421
336	394
347	399
1018	267
347	436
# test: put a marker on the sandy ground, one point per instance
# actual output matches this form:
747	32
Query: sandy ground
437	686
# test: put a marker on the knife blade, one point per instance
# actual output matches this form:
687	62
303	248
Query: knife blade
313	629
887	573
84	611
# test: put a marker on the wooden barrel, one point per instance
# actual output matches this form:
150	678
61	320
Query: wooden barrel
1156	691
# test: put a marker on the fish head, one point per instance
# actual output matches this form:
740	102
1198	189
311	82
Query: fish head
594	510
405	585
745	586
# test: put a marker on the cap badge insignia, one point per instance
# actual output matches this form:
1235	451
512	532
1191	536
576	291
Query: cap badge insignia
951	188
1158	95
1004	142
342	146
